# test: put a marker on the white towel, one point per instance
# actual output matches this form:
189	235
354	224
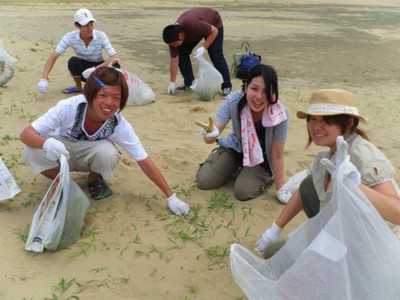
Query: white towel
273	114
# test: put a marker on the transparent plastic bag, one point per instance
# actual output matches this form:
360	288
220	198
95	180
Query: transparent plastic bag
7	65
293	183
139	92
290	186
208	80
59	219
347	251
8	186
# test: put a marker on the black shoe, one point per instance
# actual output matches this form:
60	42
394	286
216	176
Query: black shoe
99	189
183	88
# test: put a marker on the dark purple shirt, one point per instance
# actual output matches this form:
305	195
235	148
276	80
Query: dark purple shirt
196	24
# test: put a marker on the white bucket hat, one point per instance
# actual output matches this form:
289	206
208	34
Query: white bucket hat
83	17
330	102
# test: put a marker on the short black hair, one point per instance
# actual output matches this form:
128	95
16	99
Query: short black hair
171	33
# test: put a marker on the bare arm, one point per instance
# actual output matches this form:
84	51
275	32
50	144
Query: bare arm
210	38
173	68
277	159
291	209
385	199
31	138
108	61
50	64
154	174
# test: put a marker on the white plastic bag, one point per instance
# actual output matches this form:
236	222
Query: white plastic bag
58	221
346	251
290	186
139	92
7	65
208	80
8	186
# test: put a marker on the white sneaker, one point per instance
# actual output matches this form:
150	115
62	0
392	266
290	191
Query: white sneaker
225	92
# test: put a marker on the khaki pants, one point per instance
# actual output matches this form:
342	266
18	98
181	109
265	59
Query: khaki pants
97	156
222	164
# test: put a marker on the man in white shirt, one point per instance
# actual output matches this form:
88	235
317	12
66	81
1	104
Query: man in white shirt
87	44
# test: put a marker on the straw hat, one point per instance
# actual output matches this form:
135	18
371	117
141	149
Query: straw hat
330	102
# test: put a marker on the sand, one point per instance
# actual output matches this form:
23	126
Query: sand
131	246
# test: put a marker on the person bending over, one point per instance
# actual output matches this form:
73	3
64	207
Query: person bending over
182	37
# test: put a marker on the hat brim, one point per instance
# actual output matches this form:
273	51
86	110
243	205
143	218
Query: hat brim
87	22
304	115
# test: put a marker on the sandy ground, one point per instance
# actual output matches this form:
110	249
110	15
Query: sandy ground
131	246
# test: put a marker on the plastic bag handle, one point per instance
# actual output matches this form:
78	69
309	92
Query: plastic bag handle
111	62
245	45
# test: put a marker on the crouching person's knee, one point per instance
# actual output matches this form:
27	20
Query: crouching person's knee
105	157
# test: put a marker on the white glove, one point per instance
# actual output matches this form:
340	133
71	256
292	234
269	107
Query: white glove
269	237
177	206
42	86
210	135
171	88
283	196
342	161
54	149
87	72
199	52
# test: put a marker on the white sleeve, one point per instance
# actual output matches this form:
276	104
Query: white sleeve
63	44
126	137
107	45
49	121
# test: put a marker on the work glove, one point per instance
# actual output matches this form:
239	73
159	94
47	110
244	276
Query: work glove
270	236
283	196
42	86
342	161
54	149
199	52
208	131
171	88
210	135
177	206
87	72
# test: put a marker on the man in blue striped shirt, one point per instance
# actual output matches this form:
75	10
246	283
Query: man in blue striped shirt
87	44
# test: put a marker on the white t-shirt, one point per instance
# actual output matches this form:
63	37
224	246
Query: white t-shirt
93	52
67	119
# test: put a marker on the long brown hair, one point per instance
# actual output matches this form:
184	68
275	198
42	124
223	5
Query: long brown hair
342	121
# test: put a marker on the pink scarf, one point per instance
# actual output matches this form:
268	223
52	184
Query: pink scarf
273	114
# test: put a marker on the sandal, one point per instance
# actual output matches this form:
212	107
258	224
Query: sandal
99	189
71	90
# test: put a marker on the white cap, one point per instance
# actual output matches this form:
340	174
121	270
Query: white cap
83	17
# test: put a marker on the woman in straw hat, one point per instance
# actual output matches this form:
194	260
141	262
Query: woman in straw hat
331	114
